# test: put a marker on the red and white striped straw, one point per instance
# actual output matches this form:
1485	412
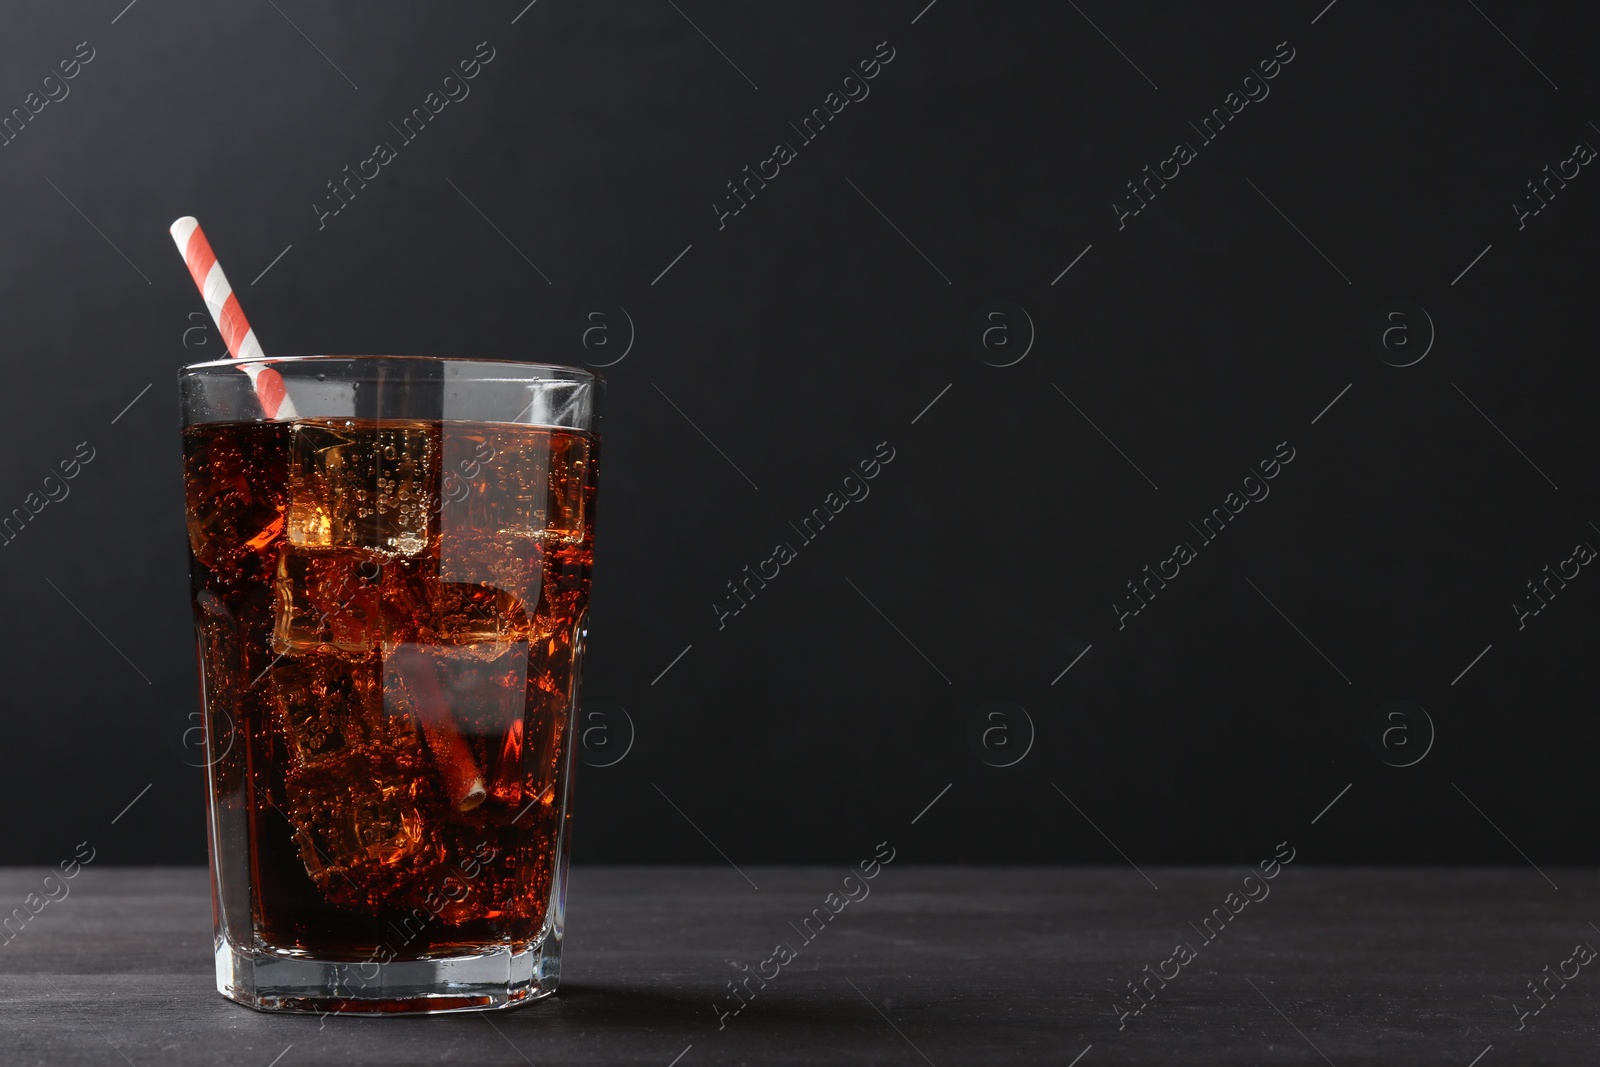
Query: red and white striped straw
229	316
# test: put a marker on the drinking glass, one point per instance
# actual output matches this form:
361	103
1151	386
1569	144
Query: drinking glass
390	583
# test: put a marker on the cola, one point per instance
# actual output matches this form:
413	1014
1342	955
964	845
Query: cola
390	617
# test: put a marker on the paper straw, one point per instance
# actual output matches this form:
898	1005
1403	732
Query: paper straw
229	316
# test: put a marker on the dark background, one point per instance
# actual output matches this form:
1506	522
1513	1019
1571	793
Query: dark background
809	330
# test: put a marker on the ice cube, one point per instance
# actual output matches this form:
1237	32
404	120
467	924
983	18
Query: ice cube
353	775
512	480
509	563
360	833
362	485
332	709
417	608
477	615
326	599
493	480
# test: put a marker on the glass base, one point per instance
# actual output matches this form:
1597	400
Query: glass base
487	981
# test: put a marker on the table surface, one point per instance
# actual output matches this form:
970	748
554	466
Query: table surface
937	965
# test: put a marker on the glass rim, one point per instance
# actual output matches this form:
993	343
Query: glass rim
560	370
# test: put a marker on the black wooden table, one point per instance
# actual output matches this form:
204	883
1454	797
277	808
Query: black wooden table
937	965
